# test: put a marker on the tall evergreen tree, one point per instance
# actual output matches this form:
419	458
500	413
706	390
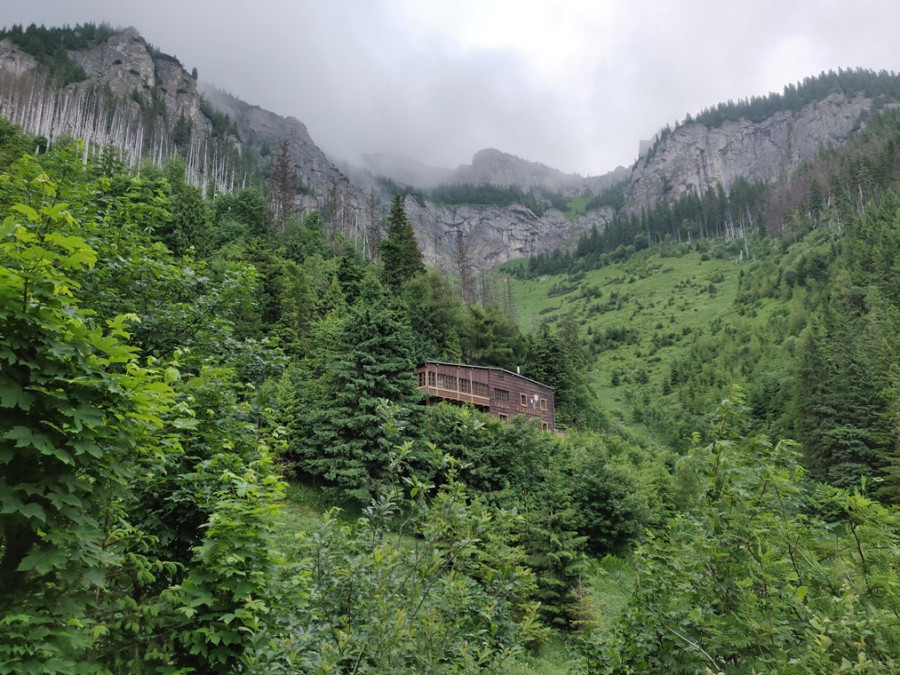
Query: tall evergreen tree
400	253
343	439
553	545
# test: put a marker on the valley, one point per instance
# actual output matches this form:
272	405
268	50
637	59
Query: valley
215	455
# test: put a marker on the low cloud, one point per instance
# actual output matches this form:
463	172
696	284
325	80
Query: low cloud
575	86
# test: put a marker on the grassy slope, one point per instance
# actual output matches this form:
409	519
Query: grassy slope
659	304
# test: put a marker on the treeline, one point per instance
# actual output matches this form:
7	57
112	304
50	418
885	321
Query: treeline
715	215
613	197
485	194
882	86
498	195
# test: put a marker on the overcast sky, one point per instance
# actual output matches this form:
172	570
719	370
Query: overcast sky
569	83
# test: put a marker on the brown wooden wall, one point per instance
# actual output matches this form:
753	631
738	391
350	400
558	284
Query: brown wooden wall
499	392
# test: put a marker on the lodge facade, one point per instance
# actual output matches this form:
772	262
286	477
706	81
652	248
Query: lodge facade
496	391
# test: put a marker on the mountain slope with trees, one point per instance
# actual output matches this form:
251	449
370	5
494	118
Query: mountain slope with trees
184	370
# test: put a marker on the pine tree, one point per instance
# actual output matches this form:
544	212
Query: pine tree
554	547
400	253
347	444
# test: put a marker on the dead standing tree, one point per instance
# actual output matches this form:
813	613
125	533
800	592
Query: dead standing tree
284	186
372	232
462	260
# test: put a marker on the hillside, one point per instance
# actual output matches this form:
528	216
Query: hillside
669	328
111	87
216	458
636	317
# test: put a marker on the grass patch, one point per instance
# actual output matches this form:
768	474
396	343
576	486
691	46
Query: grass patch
665	301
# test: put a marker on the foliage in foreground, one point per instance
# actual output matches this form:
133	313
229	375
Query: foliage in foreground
761	574
136	495
421	584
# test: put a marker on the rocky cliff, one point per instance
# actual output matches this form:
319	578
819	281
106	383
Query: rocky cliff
134	98
145	103
127	64
483	237
258	127
695	157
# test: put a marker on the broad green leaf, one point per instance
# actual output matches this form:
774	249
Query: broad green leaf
26	211
32	510
43	560
12	395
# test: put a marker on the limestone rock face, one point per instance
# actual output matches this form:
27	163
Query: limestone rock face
314	169
492	235
127	65
695	157
13	60
123	62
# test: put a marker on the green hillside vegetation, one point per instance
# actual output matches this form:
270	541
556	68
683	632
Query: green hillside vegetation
637	317
673	326
498	195
215	458
169	361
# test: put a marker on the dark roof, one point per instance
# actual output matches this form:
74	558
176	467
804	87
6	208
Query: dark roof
501	370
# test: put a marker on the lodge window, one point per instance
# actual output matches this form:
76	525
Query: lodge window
501	395
465	386
545	426
480	389
501	416
420	379
523	399
431	379
544	404
446	381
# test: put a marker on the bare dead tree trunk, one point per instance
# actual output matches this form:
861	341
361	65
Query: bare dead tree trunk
462	259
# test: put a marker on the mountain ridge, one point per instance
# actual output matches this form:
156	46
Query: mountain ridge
144	102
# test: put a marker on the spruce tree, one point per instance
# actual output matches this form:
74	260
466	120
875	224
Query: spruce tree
554	548
347	443
400	253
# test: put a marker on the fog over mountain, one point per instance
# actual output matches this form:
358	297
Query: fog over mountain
574	86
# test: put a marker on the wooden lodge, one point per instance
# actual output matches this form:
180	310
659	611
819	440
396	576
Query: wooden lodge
496	391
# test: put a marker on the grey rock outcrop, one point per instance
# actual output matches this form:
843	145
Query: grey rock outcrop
695	157
133	98
13	60
259	126
128	66
493	235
